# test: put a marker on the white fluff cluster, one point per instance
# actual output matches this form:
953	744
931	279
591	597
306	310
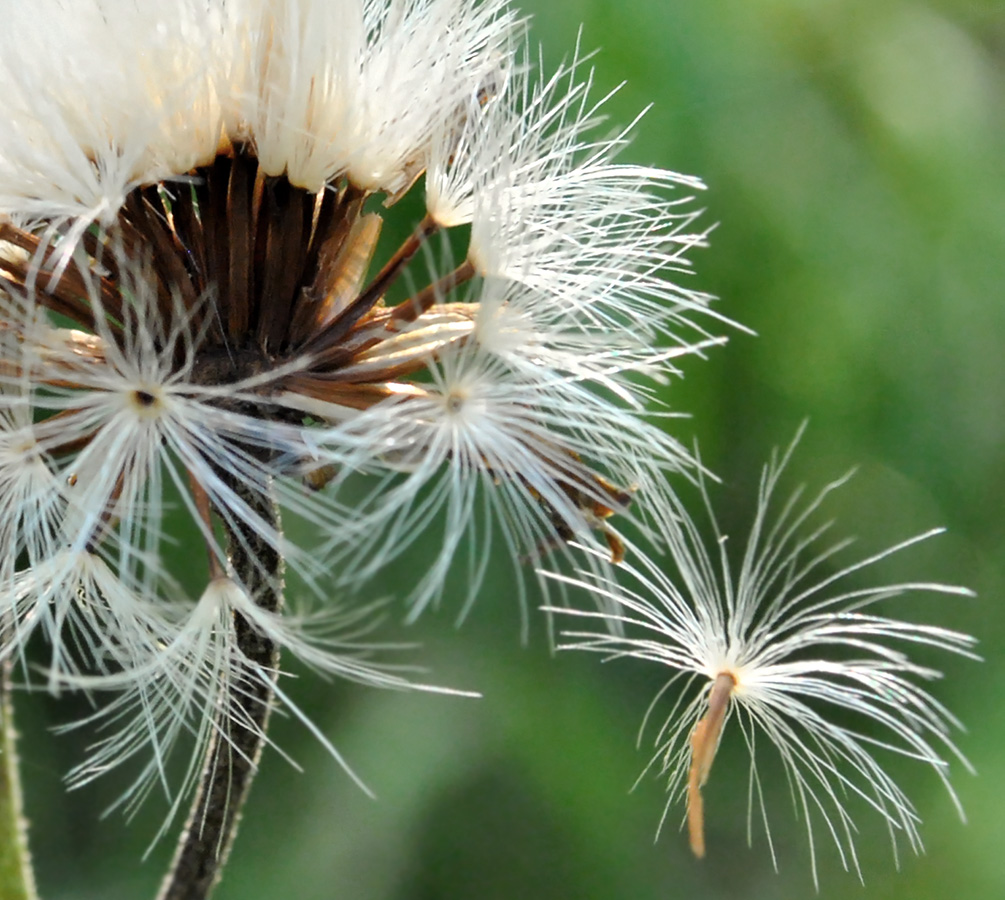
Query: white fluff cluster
112	94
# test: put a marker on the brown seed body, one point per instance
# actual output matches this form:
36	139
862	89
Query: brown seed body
704	743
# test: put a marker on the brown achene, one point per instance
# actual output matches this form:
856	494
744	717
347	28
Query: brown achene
704	743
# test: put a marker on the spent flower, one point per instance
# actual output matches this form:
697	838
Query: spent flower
197	314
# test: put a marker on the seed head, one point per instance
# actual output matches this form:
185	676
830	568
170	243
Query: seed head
199	318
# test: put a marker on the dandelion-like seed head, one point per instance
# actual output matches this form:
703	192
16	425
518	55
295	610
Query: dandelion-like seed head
199	315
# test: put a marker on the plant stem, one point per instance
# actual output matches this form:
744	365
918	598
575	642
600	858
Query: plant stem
17	880
239	736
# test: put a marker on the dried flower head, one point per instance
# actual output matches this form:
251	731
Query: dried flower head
781	646
197	311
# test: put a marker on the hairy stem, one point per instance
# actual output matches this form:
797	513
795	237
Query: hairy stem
234	750
17	880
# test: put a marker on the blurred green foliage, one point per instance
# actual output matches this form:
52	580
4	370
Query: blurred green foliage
854	152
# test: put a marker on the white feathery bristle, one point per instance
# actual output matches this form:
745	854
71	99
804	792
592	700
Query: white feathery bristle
527	443
551	209
360	89
106	96
798	640
173	688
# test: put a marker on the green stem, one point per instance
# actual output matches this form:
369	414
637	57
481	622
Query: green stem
17	880
234	750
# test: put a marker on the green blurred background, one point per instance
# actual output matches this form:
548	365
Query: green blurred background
854	156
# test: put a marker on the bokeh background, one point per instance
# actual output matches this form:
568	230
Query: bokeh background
854	152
